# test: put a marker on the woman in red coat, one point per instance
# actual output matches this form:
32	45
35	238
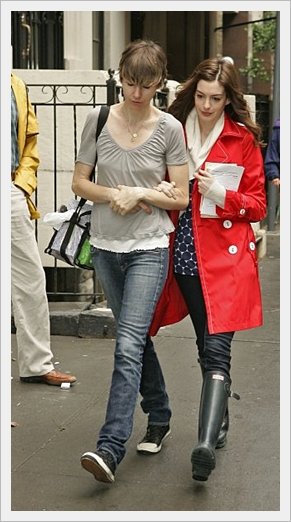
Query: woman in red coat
214	271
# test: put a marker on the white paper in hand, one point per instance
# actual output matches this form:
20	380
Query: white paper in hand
228	175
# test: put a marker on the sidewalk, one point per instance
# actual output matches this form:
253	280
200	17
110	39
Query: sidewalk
55	426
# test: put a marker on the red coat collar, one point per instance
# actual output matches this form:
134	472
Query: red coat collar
232	128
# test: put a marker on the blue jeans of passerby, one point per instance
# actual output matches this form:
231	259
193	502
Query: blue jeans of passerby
214	349
132	283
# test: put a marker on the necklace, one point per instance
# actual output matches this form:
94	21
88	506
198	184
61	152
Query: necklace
133	134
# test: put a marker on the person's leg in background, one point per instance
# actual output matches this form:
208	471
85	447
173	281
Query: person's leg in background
30	306
29	300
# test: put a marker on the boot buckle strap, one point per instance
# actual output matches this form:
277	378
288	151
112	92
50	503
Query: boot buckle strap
231	393
234	395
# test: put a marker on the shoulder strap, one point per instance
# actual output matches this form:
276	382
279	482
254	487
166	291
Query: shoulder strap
102	118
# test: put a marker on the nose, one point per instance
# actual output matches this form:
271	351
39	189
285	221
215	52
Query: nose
206	103
137	91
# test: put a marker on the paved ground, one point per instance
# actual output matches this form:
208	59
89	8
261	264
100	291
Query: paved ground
54	427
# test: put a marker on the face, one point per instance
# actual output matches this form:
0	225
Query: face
136	95
210	100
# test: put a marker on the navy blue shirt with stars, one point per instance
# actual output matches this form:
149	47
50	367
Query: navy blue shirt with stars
185	260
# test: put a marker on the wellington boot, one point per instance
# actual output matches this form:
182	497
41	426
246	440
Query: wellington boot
213	403
222	437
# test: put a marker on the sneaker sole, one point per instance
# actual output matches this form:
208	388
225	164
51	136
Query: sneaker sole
95	465
145	448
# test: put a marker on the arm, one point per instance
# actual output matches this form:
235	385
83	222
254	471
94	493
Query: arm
25	175
82	186
249	202
272	158
129	197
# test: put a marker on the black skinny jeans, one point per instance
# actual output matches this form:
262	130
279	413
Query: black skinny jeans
213	349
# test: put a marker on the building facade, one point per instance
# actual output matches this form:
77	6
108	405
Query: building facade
65	58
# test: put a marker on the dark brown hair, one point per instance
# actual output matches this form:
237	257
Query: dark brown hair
225	73
143	62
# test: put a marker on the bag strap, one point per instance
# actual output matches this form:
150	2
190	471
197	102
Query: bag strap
102	118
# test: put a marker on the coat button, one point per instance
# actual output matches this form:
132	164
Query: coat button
242	211
252	245
227	223
232	249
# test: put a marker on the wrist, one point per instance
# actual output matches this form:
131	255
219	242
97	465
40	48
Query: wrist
111	193
216	193
141	193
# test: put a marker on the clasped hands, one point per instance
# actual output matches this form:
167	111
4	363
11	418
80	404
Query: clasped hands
128	200
208	186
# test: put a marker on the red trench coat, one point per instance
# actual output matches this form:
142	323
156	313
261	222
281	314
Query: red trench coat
225	246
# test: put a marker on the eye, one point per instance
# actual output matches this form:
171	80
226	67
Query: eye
215	98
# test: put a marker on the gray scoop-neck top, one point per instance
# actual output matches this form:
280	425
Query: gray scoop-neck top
143	166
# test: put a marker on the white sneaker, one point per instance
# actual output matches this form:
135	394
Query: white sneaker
153	439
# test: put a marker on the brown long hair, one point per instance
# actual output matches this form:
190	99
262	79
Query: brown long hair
224	72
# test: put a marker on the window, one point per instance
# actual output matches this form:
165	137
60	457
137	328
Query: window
37	39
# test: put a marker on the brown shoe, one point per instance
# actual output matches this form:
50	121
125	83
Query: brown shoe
54	378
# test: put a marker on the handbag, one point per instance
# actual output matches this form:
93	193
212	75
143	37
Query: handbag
71	241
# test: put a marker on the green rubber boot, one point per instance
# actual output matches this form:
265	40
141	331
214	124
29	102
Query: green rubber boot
222	437
213	403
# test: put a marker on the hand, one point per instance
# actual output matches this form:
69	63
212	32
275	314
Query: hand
210	188
145	207
276	182
126	199
168	188
205	180
142	206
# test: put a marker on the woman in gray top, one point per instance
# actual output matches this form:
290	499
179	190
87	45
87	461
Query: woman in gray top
130	230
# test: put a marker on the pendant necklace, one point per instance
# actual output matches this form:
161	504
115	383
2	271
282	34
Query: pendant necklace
133	135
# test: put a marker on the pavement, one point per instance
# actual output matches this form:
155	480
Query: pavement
53	427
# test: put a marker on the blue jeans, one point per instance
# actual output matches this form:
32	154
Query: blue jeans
132	283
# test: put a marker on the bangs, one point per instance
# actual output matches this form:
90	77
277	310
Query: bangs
142	73
143	63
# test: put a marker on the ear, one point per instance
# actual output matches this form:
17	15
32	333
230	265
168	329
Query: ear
227	101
